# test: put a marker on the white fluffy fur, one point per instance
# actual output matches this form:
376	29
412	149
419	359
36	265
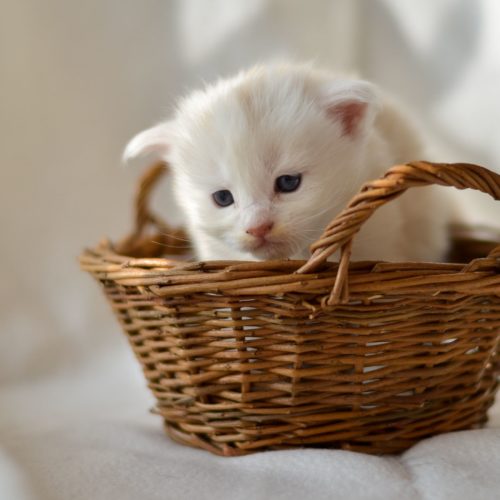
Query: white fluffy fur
242	133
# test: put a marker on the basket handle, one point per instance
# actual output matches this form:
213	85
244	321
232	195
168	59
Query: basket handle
340	232
137	244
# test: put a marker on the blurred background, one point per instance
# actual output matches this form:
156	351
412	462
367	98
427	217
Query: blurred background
79	79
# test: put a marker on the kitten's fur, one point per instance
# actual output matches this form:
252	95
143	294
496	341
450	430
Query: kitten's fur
240	134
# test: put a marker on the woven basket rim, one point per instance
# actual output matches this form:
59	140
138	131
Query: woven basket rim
337	236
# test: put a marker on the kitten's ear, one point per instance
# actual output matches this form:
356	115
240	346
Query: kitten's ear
353	104
154	140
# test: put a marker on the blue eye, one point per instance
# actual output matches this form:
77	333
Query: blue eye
223	198
287	183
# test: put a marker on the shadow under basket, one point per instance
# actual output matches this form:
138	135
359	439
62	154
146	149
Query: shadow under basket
365	356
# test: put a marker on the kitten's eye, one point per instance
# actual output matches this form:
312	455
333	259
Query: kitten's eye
287	183
223	198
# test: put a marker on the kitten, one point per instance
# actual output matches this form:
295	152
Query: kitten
264	160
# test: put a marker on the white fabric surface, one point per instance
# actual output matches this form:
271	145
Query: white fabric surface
103	444
78	79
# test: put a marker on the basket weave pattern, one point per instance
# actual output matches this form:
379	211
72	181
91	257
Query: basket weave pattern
368	356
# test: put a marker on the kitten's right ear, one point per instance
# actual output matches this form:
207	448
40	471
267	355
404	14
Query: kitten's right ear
154	140
353	104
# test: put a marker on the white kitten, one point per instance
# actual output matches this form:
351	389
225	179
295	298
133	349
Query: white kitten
263	161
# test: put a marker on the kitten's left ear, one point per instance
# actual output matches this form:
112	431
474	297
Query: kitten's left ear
353	104
155	140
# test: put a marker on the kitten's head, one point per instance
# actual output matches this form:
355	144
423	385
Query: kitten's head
263	160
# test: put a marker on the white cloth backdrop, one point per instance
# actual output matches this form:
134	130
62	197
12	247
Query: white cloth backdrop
77	80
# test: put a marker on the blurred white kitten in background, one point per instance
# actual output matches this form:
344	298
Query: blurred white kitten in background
262	162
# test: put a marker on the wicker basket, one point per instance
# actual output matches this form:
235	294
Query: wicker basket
368	356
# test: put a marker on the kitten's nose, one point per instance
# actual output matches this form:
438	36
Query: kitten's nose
261	230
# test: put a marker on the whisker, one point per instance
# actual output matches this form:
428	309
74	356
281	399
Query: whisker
187	247
308	218
174	237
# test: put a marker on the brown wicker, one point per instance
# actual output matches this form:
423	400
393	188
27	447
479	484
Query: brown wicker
368	356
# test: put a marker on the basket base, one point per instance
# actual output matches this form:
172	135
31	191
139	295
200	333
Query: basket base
395	440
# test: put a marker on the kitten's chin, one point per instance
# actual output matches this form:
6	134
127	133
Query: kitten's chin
271	251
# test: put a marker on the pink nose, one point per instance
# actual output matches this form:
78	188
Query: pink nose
261	230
